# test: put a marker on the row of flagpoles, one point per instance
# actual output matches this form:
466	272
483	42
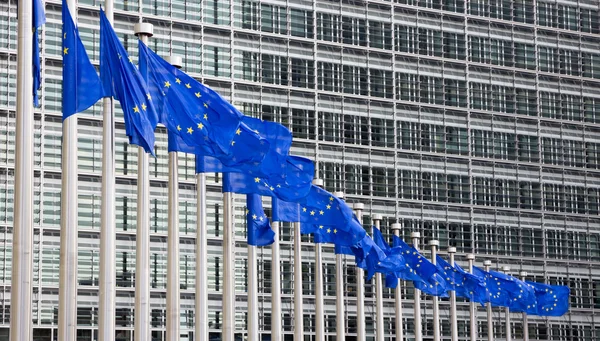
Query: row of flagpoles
21	303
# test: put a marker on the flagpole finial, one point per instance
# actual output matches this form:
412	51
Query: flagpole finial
318	182
451	249
176	61
470	256
358	206
376	216
415	235
339	195
434	242
487	263
523	274
506	268
396	227
144	28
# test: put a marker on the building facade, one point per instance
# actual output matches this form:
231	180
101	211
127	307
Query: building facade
476	123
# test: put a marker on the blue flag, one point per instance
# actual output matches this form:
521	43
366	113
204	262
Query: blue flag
463	283
121	79
81	83
204	121
420	270
259	229
39	19
503	290
551	300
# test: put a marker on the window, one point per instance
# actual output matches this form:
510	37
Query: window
328	27
301	23
274	69
406	39
273	19
380	35
302	73
524	56
330	76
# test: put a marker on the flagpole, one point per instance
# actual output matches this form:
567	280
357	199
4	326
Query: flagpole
472	308
379	329
453	317
298	304
506	269
22	245
396	227
173	304
252	295
142	266
276	334
227	332
360	287
319	309
201	261
436	307
67	291
488	306
523	275
417	305
107	275
340	322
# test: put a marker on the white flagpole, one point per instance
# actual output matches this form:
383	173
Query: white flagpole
173	305
417	305
453	317
107	275
396	227
523	275
252	294
298	304
488	306
472	307
340	322
67	291
319	300
227	332
379	329
436	308
506	269
276	334
22	259
360	288
201	261
142	259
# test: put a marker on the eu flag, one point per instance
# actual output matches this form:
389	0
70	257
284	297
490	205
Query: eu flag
121	79
81	83
39	19
551	300
427	278
504	291
259	229
463	283
204	121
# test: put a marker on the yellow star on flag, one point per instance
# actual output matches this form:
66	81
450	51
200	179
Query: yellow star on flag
205	105
304	209
149	97
330	198
130	59
200	125
66	50
144	106
254	216
321	226
178	128
177	80
328	230
232	143
190	130
257	180
238	131
328	207
136	109
198	94
167	84
312	212
188	85
334	230
206	116
321	212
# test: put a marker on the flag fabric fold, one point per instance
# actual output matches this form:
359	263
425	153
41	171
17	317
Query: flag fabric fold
461	282
81	84
39	19
122	80
259	228
505	291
